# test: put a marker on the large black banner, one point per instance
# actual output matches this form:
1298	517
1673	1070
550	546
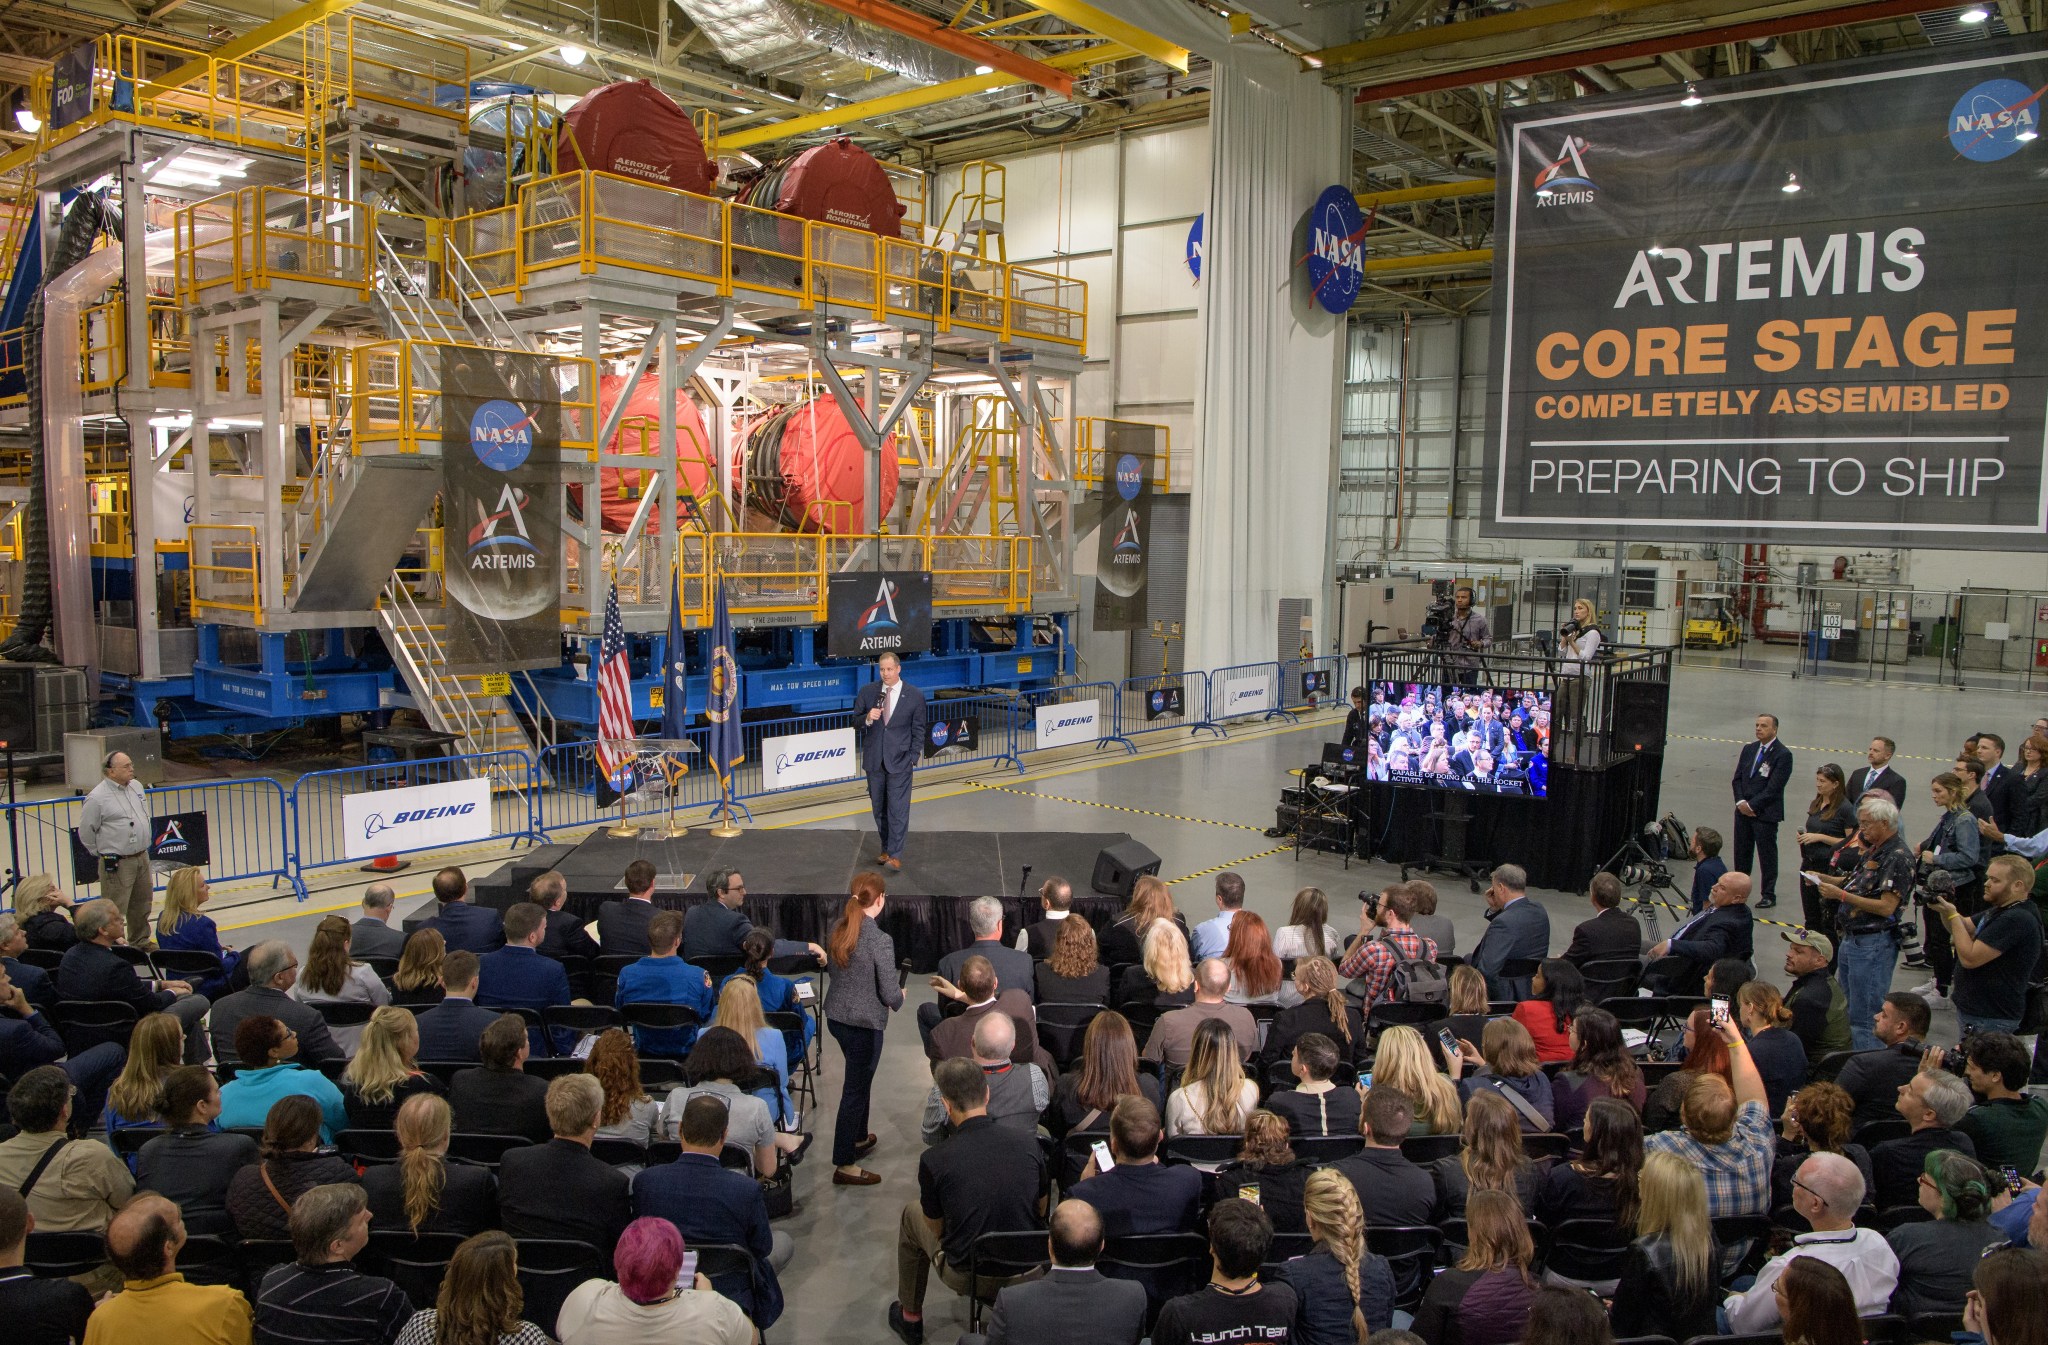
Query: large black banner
1126	536
1802	308
501	456
869	613
71	85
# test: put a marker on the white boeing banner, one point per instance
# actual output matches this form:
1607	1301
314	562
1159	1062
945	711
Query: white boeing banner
808	759
386	821
1069	722
1246	696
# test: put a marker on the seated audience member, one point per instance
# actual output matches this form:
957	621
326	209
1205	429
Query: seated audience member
985	1178
1010	966
1485	1298
1017	1094
739	1008
1612	935
1872	1079
1123	942
384	1071
1072	973
1780	1056
1706	1055
1726	1134
2007	1126
273	972
647	1306
1937	1258
1267	1173
191	1163
1214	1096
1600	1066
622	926
516	976
321	1296
1074	1303
718	1065
1671	1272
499	1097
1393	1190
44	1311
1163	974
1507	1065
1556	994
1490	1159
1438	929
1517	930
1056	901
1316	1106
479	1300
2006	1304
331	976
268	1050
629	1113
778	993
1567	1315
1139	1194
1307	932
560	1189
1385	938
463	924
33	982
1469	1005
1209	938
372	934
183	928
1344	1290
453	1029
1402	1062
156	1303
1816	1121
1707	867
1254	971
1820	1011
662	977
155	1047
423	1192
981	992
1826	1193
1726	929
714	1204
78	1183
27	1040
261	1196
1173	1036
1819	1305
1084	1096
1600	1181
1932	1102
417	983
45	911
564	935
1234	1305
91	969
1323	1009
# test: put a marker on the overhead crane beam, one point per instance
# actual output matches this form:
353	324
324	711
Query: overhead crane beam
980	50
1084	15
1435	191
255	40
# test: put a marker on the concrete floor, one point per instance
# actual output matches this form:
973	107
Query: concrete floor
1222	795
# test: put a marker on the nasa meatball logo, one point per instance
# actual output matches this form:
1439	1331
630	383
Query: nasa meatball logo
1130	476
501	435
1158	701
939	733
1336	250
1995	120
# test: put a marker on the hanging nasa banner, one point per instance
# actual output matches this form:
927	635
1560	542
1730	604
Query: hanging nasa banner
1126	535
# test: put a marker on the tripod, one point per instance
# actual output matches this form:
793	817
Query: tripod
1635	857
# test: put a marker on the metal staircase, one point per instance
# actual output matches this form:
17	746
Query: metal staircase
457	702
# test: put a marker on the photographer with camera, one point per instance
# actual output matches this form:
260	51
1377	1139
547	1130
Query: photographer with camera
1385	939
1994	952
1951	848
1868	913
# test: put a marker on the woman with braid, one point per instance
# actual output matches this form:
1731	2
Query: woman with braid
423	1192
1323	1009
1346	1292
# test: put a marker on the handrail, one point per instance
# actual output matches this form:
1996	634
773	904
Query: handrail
203	539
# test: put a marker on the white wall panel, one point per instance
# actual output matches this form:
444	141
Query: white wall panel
1159	360
1166	174
1155	274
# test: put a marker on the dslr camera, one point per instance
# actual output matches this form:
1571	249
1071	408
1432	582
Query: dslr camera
1955	1056
1370	903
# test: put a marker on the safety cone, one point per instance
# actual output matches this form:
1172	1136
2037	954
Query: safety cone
386	864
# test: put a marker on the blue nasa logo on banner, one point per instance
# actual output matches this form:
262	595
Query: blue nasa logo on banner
1130	476
1336	250
1165	703
1194	248
962	732
501	434
1315	684
1993	120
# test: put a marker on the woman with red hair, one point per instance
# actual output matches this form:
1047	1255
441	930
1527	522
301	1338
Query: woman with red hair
1705	1053
1254	969
859	998
646	1306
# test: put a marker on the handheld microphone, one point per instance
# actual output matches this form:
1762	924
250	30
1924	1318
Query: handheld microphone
1023	882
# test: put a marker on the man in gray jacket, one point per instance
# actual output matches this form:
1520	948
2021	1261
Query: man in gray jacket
372	934
1518	930
273	970
1017	1093
1074	1303
114	826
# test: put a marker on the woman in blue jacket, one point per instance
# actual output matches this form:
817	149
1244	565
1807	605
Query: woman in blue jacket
181	928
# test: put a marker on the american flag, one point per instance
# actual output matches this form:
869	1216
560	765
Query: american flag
614	689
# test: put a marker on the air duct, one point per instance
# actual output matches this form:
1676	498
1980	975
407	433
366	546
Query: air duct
790	40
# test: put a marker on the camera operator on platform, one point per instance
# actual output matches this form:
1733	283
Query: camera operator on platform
1578	645
1467	628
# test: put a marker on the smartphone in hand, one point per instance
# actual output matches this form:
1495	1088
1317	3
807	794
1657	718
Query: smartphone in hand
1103	1162
1450	1042
686	1274
1718	1007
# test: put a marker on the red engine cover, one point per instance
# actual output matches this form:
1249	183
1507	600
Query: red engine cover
696	460
634	130
820	472
837	182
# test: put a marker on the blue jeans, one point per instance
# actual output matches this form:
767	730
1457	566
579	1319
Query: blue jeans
1969	1021
1865	971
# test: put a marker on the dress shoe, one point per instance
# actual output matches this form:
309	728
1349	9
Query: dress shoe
865	1147
1767	903
881	856
891	862
910	1333
857	1177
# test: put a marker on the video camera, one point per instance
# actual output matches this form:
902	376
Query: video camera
1436	621
1662	839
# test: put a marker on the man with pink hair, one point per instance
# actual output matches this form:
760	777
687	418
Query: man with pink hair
646	1306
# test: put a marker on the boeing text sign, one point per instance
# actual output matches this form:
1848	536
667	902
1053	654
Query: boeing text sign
387	821
808	758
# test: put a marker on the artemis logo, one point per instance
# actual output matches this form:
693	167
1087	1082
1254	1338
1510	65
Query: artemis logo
1564	180
173	834
486	542
785	760
375	822
882	611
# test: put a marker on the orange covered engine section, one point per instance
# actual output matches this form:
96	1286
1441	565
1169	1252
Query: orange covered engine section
639	431
837	182
634	130
806	470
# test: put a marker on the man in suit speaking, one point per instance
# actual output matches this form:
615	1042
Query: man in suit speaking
891	717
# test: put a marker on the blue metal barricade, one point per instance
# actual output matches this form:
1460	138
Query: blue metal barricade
568	792
752	778
1163	703
1098	697
319	839
994	737
246	830
1244	690
1314	684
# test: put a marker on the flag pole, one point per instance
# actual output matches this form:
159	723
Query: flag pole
624	830
727	828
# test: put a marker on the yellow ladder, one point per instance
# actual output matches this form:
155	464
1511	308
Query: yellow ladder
979	201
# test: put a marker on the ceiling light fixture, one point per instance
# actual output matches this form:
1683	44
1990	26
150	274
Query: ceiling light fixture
1791	183
1692	96
27	120
573	54
1974	14
984	70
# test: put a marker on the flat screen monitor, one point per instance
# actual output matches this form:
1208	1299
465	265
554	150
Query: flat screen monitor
1476	738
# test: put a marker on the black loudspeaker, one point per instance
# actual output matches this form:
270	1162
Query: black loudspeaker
1118	868
1640	709
18	706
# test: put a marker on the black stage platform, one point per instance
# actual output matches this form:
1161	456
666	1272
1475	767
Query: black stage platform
797	879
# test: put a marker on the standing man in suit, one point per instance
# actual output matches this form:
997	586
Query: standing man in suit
1612	934
1074	1303
1358	723
1759	787
1878	775
372	935
2002	787
622	925
471	928
1517	930
892	718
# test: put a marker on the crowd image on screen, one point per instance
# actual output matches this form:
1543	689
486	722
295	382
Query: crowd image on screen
1479	739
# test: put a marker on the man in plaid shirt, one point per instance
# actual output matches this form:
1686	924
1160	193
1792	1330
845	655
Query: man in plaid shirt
1727	1135
1371	960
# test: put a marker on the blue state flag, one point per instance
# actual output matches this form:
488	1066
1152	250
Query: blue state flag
722	700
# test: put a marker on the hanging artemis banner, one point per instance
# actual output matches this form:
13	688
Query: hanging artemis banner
501	414
1126	534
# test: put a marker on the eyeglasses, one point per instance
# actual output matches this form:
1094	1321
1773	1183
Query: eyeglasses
1817	1195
